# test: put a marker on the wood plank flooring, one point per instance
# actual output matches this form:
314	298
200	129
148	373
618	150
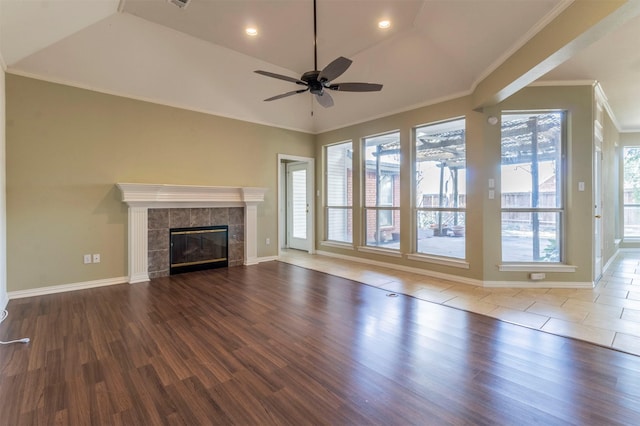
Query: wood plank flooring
278	344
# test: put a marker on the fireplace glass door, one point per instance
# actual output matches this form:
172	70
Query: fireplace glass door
194	249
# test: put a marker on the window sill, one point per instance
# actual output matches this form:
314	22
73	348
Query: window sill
381	251
536	267
455	263
336	244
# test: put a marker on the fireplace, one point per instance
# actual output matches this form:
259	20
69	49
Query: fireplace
144	198
199	248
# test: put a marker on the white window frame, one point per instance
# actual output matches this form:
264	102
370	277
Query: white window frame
348	208
561	210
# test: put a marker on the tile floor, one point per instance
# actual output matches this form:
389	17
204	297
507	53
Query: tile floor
608	315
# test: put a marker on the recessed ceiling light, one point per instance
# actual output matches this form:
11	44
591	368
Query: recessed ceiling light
384	24
251	31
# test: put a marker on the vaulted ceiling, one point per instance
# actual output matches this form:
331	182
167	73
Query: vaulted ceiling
200	58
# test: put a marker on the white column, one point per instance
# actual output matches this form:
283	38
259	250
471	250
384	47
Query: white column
138	245
251	234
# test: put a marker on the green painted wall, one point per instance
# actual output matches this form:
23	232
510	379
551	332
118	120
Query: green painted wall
68	147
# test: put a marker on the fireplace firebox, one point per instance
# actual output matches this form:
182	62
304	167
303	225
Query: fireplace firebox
199	248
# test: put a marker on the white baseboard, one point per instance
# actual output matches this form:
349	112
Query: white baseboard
4	300
610	261
66	287
464	280
434	274
538	284
267	259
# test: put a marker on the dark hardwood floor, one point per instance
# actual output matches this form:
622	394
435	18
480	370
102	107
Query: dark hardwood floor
279	344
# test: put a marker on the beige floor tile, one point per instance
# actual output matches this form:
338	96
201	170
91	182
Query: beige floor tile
619	286
602	310
634	295
526	319
579	331
431	296
520	304
616	324
627	343
503	291
567	314
612	292
401	287
436	286
463	290
616	301
550	299
471	305
588	295
631	315
615	279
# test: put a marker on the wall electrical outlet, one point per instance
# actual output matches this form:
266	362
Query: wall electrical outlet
96	258
268	241
87	258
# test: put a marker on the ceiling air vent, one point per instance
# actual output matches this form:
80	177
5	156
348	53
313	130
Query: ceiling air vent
180	3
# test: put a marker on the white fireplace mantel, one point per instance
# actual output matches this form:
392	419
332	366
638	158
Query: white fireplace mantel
140	197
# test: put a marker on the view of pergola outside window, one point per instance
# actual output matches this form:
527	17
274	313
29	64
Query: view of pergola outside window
631	196
382	190
532	186
440	188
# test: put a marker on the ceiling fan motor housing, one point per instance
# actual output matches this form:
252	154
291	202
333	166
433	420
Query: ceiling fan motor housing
311	78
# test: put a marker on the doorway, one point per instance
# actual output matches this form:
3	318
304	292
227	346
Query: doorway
296	203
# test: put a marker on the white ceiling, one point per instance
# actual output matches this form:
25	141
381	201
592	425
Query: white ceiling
199	57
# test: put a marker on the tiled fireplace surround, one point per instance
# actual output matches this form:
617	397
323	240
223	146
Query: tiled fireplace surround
162	220
155	208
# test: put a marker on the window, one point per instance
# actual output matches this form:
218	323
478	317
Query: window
440	188
382	190
631	196
339	183
532	186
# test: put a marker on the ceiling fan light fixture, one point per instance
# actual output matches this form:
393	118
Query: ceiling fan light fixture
251	31
384	24
318	82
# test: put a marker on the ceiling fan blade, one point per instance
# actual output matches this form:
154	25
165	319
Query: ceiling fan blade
334	69
355	87
324	99
280	77
284	95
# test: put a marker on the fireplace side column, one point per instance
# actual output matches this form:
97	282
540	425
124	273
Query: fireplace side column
251	233
138	244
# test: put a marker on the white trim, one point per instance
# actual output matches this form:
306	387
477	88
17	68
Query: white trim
538	284
311	188
165	195
610	261
335	244
522	41
266	259
140	197
434	274
4	300
66	287
380	251
455	263
151	100
460	279
535	267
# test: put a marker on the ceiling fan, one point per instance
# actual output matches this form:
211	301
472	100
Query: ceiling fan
317	82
